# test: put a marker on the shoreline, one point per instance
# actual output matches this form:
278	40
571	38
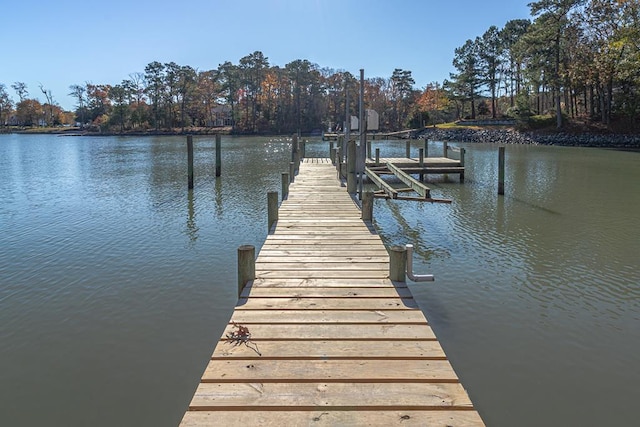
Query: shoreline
505	136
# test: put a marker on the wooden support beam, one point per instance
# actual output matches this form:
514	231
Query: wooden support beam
381	183
417	186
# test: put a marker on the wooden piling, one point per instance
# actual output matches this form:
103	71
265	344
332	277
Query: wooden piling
351	167
285	185
501	170
292	172
426	147
367	206
218	155
445	148
272	208
397	263
246	266
377	156
408	149
190	161
421	161
331	155
462	152
369	150
295	152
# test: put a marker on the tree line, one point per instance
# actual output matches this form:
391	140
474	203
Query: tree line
577	58
574	58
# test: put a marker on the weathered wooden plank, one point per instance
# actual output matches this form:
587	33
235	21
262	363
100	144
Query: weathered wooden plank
324	418
343	370
314	221
319	229
386	332
312	349
316	274
323	266
311	396
307	292
320	245
331	237
338	282
246	317
321	254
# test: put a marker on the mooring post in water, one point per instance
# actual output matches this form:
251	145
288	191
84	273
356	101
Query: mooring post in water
408	149
218	154
445	148
367	206
377	156
397	263
285	185
272	208
295	153
426	147
351	167
421	161
303	148
369	150
246	266
190	160
501	170
292	172
462	164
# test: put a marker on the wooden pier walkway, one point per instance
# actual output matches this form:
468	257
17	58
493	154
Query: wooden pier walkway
334	342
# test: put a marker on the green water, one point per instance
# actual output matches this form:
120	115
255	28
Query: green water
115	282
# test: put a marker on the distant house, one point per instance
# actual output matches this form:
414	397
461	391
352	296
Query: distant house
221	116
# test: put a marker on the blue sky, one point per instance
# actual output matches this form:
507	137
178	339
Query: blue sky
67	42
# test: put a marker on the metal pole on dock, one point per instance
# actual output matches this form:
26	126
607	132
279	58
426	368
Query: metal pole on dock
367	206
190	161
285	185
501	170
397	263
246	266
272	208
362	127
218	155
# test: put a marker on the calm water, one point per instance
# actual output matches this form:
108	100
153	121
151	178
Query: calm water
115	282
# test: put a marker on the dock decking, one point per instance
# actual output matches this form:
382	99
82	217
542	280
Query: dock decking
334	342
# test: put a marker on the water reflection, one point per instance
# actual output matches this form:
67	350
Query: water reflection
192	227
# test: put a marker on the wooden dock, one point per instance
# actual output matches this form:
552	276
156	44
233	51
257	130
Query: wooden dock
334	342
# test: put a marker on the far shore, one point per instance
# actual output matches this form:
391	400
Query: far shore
497	135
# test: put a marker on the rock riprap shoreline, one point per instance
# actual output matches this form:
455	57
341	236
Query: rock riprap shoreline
509	136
